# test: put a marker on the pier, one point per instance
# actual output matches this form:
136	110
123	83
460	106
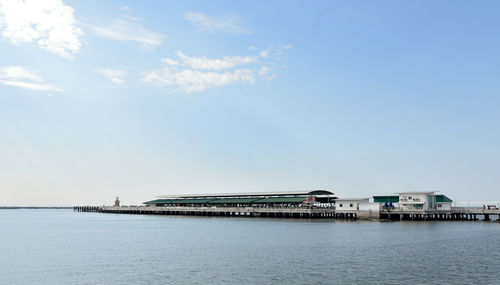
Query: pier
455	214
406	206
273	212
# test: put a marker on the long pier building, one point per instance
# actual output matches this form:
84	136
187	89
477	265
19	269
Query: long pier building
255	199
307	204
292	204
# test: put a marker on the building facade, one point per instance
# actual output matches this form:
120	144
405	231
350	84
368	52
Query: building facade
415	201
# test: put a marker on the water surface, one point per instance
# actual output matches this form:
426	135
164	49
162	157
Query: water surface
66	247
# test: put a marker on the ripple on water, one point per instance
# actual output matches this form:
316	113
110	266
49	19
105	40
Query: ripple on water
64	247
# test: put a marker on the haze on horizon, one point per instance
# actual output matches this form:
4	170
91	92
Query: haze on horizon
140	99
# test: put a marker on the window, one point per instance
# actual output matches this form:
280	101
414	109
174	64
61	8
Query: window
340	205
350	205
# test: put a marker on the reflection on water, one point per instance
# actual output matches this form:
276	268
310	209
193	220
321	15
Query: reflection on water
64	247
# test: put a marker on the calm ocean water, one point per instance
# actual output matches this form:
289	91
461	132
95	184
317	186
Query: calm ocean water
64	247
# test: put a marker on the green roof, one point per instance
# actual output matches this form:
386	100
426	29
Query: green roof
388	199
192	201
442	199
234	201
229	200
154	201
281	200
179	201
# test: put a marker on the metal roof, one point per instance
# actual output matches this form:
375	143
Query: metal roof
351	199
417	192
443	199
179	201
234	201
250	194
281	200
387	198
255	200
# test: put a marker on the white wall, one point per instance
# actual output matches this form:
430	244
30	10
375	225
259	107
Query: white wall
349	205
346	205
407	201
369	210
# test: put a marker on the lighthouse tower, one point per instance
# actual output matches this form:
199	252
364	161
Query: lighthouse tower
117	202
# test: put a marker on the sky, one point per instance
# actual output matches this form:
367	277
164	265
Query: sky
137	99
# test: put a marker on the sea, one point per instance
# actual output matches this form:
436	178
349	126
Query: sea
66	247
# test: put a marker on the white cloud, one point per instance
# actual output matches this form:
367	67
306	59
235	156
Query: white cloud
23	77
50	24
264	70
215	64
196	74
211	24
122	30
274	51
170	61
265	53
132	18
114	75
189	80
265	73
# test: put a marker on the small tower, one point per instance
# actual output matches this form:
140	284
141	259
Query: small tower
117	202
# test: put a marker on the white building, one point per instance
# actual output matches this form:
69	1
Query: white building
349	204
423	201
360	207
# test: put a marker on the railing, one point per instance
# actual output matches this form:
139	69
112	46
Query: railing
453	210
475	210
222	209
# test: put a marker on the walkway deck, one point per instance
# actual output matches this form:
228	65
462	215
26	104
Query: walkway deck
278	212
456	213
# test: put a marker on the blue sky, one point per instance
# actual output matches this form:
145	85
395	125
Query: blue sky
138	99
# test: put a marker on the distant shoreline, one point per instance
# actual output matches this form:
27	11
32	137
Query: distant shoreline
32	208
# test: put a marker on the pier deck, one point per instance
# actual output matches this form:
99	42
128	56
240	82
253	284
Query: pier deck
456	213
278	212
